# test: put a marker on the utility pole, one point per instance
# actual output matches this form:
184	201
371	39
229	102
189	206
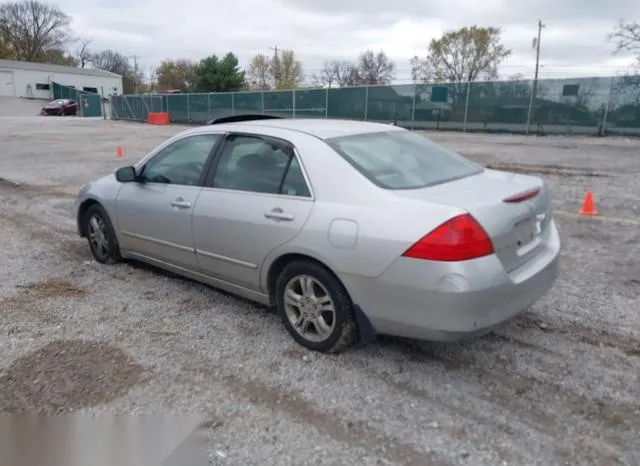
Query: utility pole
135	72
536	44
276	65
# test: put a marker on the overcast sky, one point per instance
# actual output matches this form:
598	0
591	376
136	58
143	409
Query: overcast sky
573	42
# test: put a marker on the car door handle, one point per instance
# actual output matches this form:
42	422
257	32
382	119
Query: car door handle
181	203
278	214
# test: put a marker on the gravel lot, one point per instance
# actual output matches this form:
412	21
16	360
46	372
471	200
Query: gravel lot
559	385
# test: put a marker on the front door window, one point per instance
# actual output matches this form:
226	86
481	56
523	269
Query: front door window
182	162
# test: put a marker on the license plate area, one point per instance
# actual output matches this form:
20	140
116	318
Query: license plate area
527	235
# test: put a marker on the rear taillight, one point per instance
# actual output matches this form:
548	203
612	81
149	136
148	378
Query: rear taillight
461	238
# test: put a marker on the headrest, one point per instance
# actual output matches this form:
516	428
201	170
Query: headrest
257	162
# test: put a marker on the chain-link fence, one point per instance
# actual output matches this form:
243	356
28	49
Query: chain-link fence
581	105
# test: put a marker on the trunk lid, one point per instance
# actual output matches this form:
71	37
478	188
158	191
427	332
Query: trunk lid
517	229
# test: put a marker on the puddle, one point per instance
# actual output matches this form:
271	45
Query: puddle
32	298
67	375
52	288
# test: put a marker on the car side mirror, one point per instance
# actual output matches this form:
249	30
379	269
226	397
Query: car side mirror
126	175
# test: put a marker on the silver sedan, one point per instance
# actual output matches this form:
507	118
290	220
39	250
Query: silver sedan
350	229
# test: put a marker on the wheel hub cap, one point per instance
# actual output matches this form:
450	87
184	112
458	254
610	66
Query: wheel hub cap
309	308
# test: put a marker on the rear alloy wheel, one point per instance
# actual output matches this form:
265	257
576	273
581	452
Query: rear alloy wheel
315	308
101	236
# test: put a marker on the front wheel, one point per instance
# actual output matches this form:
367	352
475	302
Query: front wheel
101	236
315	308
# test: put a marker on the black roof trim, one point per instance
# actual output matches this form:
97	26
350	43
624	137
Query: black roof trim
242	117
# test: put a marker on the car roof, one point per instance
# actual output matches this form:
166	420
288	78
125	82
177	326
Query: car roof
318	127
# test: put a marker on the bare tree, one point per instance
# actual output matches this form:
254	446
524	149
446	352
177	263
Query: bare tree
114	62
375	68
626	37
325	78
30	30
82	53
341	73
347	74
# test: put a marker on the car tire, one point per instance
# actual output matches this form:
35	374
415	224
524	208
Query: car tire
101	236
328	328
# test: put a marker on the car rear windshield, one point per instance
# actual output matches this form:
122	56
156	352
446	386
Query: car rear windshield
402	159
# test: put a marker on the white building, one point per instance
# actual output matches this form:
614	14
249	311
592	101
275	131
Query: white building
33	80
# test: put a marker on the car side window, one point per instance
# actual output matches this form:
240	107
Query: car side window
182	162
250	163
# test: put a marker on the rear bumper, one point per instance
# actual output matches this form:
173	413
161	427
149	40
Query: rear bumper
448	302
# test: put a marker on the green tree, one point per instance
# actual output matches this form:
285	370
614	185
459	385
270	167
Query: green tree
468	54
176	74
5	50
56	57
286	70
33	31
260	72
218	75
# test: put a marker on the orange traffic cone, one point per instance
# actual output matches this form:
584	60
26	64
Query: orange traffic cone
119	152
588	205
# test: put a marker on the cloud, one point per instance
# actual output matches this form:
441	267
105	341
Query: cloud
573	42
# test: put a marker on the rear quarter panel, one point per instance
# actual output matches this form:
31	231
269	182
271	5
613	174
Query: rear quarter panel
386	224
377	237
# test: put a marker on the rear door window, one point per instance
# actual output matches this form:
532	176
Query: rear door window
402	159
251	163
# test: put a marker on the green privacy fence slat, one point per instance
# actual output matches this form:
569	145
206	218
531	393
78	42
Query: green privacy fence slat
89	104
311	103
92	105
580	105
279	103
247	102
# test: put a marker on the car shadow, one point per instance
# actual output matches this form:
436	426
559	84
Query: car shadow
454	355
143	266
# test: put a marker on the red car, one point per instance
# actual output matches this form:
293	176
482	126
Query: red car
60	107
